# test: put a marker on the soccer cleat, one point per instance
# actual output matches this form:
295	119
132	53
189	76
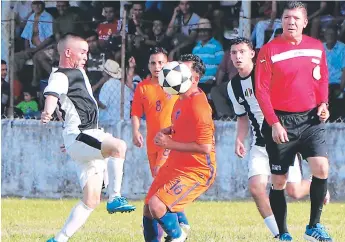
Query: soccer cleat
317	233
185	228
51	240
119	204
327	198
182	238
285	237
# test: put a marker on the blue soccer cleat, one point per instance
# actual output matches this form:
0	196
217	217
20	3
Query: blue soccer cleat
317	233
182	238
119	204
51	240
285	237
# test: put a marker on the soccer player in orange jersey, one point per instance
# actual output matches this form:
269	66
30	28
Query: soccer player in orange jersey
191	166
151	100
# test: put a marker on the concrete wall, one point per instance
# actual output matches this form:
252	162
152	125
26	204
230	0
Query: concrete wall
33	166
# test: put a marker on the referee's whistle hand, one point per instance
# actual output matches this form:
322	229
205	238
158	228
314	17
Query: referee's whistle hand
323	112
279	134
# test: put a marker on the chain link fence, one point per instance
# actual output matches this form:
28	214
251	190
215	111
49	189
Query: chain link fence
112	94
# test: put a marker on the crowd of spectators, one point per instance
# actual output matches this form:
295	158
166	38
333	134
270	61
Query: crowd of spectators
202	28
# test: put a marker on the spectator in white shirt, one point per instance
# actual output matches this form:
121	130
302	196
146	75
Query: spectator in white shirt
110	95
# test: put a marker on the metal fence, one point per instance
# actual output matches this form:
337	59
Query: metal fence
113	95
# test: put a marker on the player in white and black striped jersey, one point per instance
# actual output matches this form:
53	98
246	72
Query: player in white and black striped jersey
242	95
70	89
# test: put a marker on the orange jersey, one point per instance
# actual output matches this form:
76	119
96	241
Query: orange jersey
150	99
192	122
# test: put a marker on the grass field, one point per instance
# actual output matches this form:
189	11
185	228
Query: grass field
37	220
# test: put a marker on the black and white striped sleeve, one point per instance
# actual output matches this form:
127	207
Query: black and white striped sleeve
57	85
238	108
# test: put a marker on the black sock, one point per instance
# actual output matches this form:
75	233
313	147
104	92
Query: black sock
279	209
318	190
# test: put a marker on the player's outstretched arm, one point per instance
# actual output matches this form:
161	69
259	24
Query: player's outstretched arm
241	134
49	107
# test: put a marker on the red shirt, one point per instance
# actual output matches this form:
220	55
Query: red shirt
291	78
105	29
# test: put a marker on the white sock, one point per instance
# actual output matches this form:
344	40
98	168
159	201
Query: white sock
271	224
76	219
115	173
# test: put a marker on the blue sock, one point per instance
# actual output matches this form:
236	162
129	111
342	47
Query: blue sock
182	219
150	229
170	225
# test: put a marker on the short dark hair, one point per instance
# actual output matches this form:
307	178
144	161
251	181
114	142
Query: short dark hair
140	3
158	50
67	2
242	40
198	64
295	4
3	62
109	5
39	2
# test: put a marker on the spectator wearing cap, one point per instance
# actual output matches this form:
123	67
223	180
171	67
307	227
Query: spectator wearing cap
210	51
110	95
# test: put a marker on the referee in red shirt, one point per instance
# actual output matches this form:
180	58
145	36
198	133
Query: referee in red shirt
292	90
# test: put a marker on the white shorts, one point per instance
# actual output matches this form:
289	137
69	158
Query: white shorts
259	165
86	152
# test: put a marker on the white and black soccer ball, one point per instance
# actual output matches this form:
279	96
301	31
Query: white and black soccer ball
175	78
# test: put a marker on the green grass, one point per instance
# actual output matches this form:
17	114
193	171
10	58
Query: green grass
37	220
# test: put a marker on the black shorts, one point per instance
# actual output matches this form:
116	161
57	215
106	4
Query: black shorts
306	136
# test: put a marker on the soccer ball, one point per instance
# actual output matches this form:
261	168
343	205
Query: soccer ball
175	78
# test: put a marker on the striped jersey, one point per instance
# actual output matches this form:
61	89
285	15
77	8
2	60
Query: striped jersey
242	95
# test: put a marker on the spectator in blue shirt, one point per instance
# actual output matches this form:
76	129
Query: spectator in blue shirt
39	26
38	29
210	51
335	54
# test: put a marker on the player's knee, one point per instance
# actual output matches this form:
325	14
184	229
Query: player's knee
279	182
157	207
114	147
92	201
257	190
320	169
120	149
